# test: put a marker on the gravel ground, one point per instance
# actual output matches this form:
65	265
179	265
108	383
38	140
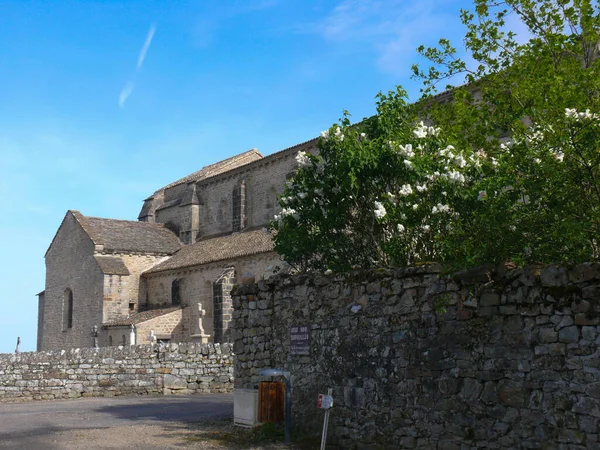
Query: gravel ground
177	435
145	423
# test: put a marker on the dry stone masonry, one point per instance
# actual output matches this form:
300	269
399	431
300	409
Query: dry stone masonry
105	372
421	360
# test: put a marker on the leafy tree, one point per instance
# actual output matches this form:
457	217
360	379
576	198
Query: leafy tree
507	169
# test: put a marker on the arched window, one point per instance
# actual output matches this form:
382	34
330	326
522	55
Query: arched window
110	341
238	214
67	310
175	293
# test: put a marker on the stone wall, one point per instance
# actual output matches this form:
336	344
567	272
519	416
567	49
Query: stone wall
106	372
419	360
263	181
196	286
120	291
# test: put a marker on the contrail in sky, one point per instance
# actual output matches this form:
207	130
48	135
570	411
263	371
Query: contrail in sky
128	88
125	93
146	46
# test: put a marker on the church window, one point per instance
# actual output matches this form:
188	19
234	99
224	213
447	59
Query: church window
67	309
238	213
175	293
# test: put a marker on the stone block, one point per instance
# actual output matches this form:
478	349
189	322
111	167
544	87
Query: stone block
569	335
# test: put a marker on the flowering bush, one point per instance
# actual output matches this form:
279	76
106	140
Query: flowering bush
509	170
387	191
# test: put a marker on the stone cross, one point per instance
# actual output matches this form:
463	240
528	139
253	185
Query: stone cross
201	313
95	335
17	351
152	337
132	334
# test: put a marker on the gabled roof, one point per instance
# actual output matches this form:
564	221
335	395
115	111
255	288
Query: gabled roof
111	265
140	317
128	235
218	249
219	167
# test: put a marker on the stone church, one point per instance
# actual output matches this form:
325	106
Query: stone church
168	276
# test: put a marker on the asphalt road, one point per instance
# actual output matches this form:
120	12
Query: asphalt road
107	423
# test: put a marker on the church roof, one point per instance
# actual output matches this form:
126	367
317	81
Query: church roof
134	319
219	248
219	167
129	235
111	265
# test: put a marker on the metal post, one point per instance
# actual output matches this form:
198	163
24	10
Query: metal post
326	423
288	410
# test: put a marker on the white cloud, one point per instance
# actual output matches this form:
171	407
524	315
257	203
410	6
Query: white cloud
146	46
393	29
125	93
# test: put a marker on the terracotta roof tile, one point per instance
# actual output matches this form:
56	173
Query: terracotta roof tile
218	249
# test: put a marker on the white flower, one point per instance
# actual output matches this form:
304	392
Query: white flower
460	161
571	113
482	195
494	161
415	206
401	228
559	156
406	190
512	228
302	195
421	188
328	272
537	160
391	196
434	209
288	212
406	150
319	192
380	211
426	227
454	176
325	134
441	208
421	131
363	136
407	163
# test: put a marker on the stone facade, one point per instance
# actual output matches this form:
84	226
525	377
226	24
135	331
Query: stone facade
107	274
71	256
420	360
106	372
92	278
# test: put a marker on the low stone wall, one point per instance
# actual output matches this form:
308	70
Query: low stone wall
419	360
110	371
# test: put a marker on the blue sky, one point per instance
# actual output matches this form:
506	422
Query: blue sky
103	102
